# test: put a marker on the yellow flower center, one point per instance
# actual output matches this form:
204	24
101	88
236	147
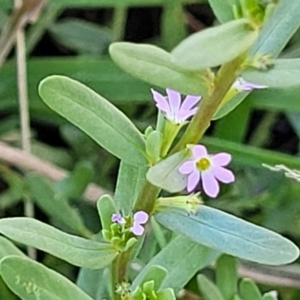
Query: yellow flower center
203	164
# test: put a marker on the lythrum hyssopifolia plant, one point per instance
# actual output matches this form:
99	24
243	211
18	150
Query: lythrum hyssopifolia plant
165	170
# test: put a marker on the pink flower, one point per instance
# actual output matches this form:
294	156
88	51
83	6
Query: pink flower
117	218
173	109
240	85
207	168
139	218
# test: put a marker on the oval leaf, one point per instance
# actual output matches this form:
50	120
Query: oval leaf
155	66
96	116
230	235
75	250
165	174
285	73
181	256
31	280
214	46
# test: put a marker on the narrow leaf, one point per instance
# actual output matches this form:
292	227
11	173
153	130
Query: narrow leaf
285	73
96	116
31	280
129	184
226	276
279	29
181	256
214	46
156	66
8	248
222	9
106	208
75	250
249	290
53	204
208	289
156	273
230	235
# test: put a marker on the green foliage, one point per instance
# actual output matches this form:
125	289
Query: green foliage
165	174
218	230
214	46
53	204
156	66
95	116
75	250
181	256
226	276
31	280
208	289
249	290
223	9
81	36
129	184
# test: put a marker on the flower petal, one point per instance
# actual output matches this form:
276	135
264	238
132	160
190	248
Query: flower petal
187	167
221	159
140	217
193	180
189	102
210	184
199	151
183	115
223	175
161	102
174	100
137	229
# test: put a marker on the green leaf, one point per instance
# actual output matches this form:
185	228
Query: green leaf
230	105
249	290
230	235
97	117
153	144
31	280
226	276
155	273
181	256
75	184
214	46
285	73
106	208
222	9
81	36
208	289
156	66
165	174
269	296
130	182
167	294
75	250
53	204
8	248
245	155
279	29
94	282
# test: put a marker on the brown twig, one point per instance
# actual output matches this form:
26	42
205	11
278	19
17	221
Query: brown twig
28	162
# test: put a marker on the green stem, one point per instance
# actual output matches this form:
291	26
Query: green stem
210	104
170	132
145	201
114	278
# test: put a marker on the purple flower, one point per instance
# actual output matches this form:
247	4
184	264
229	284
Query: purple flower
117	218
173	109
139	218
207	168
240	85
